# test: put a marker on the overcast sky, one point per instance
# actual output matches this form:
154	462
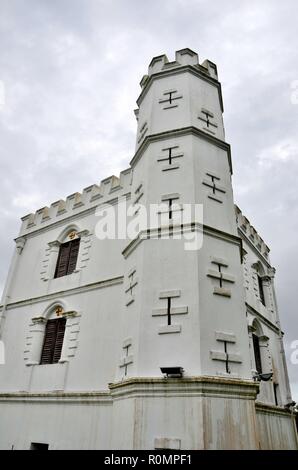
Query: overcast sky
71	72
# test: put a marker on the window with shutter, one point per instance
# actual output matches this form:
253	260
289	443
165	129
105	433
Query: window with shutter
53	341
257	352
67	258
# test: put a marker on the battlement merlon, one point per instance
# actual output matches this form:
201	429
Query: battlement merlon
92	196
182	57
251	234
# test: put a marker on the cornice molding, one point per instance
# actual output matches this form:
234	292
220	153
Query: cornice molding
179	133
185	387
64	293
177	71
156	233
103	398
272	409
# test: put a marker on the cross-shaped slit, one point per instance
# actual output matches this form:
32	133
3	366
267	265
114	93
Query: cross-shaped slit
221	277
169	310
130	290
126	365
171	155
228	371
171	96
208	119
213	184
170	208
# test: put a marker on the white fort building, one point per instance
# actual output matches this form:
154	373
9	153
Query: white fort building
88	322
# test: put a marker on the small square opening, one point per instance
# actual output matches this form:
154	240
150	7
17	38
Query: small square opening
39	446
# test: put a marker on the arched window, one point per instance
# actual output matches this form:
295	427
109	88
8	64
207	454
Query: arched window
53	341
68	255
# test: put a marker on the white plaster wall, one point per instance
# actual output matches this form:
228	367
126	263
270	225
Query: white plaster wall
62	426
96	359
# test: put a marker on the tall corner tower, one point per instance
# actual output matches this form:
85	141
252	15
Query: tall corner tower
185	305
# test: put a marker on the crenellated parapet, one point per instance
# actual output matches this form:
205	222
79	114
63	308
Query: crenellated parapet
250	232
77	202
183	57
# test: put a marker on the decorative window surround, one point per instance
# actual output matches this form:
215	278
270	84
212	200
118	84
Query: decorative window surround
225	356
20	243
72	329
170	157
52	251
168	311
170	96
84	252
167	443
143	131
212	183
129	291
255	328
128	358
35	338
221	277
207	117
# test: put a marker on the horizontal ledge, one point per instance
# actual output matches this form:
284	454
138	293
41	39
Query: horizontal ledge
170	293
222	291
169	329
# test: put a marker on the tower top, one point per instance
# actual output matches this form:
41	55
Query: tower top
183	57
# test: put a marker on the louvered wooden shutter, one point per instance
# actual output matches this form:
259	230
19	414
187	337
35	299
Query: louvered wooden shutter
59	339
256	344
53	341
63	259
73	255
49	342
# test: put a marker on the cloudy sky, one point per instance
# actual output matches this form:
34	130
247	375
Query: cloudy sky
69	78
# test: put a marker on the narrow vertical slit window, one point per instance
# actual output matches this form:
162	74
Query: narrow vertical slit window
276	392
257	353
261	290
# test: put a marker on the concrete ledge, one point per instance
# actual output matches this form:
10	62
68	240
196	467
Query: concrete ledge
57	397
272	409
163	330
201	386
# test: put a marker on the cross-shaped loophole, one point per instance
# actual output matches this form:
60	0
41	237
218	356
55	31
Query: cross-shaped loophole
228	370
127	352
